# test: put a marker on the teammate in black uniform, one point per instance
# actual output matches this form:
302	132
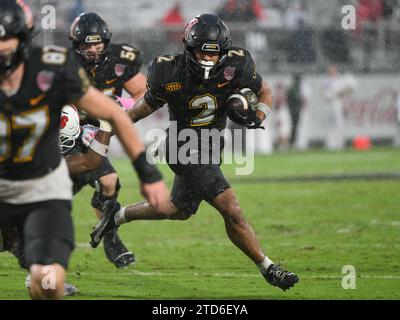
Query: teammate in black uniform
195	86
111	67
94	150
35	189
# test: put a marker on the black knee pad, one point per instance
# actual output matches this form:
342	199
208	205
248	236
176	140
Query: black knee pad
99	198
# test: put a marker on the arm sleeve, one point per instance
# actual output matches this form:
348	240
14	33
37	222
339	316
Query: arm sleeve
155	95
248	76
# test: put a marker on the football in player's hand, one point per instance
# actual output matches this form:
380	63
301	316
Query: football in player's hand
237	104
250	96
241	102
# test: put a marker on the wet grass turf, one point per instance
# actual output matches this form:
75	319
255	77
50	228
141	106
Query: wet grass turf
313	228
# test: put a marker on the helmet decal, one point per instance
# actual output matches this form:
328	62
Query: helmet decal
93	39
210	47
189	26
69	128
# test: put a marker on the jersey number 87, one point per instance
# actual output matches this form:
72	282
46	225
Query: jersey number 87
36	121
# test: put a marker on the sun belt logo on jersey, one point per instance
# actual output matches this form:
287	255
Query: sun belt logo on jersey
173	86
44	80
93	39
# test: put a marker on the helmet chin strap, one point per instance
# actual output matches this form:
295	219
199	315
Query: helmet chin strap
207	66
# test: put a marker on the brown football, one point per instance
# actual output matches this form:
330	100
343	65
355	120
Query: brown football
241	101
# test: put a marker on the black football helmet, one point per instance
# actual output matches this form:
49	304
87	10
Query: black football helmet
89	28
206	32
16	20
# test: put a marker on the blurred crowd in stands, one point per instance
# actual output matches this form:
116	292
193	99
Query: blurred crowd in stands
285	35
289	37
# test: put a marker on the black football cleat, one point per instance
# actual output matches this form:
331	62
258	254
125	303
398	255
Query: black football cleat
115	250
106	223
278	277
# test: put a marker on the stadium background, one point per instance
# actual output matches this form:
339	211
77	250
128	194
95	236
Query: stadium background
315	210
284	37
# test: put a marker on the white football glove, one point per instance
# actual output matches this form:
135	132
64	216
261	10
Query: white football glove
88	133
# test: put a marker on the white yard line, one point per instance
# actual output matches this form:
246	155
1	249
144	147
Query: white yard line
132	272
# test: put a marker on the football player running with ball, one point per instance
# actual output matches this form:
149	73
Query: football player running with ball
111	68
196	85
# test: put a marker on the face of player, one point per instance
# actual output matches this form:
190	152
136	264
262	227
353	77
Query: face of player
7	50
207	61
206	56
92	52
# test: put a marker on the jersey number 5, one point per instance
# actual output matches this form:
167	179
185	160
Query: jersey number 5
208	105
128	53
36	121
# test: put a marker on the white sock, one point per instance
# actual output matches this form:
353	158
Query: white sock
119	217
263	265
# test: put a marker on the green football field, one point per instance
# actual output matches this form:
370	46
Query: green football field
313	227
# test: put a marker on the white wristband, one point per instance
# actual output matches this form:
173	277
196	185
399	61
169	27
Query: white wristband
101	149
105	126
263	108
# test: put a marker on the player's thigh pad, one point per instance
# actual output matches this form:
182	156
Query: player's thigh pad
208	181
199	182
186	201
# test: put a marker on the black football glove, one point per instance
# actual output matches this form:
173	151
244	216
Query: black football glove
251	121
254	122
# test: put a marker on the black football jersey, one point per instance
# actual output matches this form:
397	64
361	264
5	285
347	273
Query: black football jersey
30	119
196	103
122	63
